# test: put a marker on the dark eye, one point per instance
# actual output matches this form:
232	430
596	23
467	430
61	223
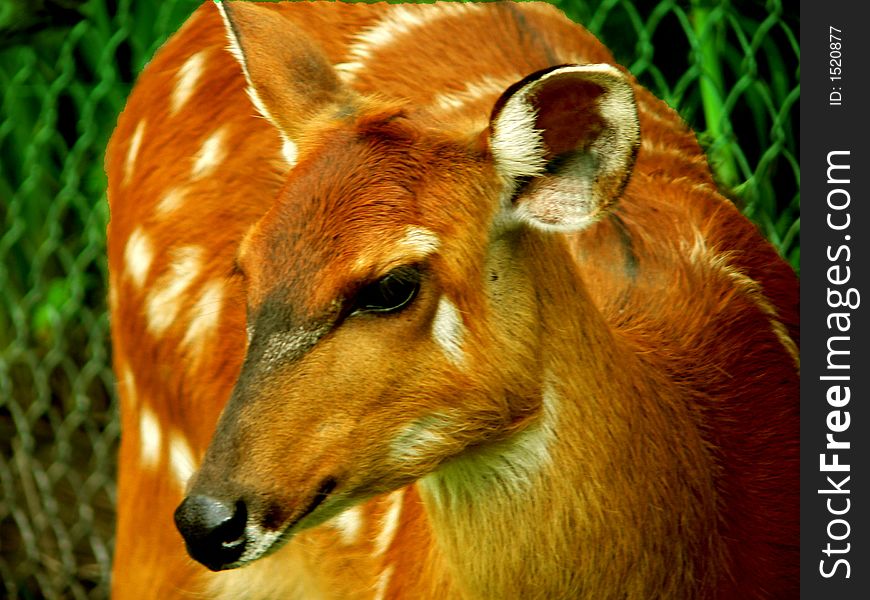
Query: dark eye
390	293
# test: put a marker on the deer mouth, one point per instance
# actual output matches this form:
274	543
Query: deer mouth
223	535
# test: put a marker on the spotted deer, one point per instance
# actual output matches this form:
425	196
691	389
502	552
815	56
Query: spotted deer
436	301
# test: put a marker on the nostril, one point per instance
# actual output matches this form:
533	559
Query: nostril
213	530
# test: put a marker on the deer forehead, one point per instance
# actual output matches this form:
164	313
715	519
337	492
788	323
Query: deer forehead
358	208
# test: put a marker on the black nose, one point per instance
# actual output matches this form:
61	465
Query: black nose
213	530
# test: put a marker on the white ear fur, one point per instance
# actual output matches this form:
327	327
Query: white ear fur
565	140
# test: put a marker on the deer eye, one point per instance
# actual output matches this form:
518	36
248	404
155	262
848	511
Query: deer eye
389	294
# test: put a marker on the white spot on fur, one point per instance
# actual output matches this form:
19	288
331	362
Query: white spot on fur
448	330
389	522
210	154
171	201
205	314
349	525
259	541
181	459
705	257
165	299
128	381
383	582
150	437
398	21
133	151
187	77
487	87
138	256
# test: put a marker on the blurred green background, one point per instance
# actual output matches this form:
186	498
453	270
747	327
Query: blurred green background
732	69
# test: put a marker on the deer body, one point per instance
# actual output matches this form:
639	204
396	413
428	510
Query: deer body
428	301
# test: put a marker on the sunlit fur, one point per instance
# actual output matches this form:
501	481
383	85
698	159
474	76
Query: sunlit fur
601	406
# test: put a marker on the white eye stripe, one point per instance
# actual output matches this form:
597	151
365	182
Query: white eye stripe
415	244
448	330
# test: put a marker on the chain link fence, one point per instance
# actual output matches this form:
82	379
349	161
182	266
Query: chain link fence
66	66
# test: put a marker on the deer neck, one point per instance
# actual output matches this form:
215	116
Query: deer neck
554	511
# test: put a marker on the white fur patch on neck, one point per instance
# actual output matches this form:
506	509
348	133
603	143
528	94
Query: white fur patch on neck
448	330
504	470
426	436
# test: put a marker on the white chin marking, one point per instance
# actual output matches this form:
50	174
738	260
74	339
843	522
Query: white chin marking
258	542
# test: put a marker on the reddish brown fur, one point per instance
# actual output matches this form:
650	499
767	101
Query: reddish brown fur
684	342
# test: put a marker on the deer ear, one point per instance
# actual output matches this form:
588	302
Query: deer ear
290	81
565	139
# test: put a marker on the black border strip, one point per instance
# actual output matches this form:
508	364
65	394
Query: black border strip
835	227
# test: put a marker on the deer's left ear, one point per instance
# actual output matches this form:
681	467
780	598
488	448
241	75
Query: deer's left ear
565	138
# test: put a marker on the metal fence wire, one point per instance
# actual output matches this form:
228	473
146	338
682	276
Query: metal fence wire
66	66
